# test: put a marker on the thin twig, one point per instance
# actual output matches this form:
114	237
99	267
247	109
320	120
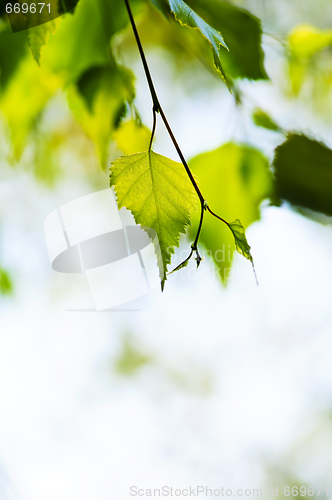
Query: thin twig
156	104
153	127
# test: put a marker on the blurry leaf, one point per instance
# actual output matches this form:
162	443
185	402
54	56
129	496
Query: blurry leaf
70	4
303	173
13	48
130	360
74	48
131	137
104	91
187	17
82	40
46	167
262	119
6	286
241	243
24	99
162	6
234	179
159	194
243	34
305	44
305	40
297	73
38	37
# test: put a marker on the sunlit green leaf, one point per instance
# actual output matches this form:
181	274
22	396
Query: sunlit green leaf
241	243
187	17
159	194
131	137
303	173
181	266
234	179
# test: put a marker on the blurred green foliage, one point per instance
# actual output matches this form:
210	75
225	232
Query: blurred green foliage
242	33
235	178
6	285
307	59
303	173
262	119
130	360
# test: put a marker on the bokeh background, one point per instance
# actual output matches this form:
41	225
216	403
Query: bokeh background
213	384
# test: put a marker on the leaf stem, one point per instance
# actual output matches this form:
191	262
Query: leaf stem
156	104
153	127
217	216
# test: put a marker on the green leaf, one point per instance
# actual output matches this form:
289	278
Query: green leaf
74	48
241	243
262	119
234	179
305	40
243	34
159	194
131	137
24	99
82	40
39	36
162	6
6	286
187	17
103	92
13	47
41	25
303	173
182	265
305	44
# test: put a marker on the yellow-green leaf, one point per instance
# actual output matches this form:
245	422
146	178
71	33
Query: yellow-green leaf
234	179
24	99
131	137
159	194
305	40
241	243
